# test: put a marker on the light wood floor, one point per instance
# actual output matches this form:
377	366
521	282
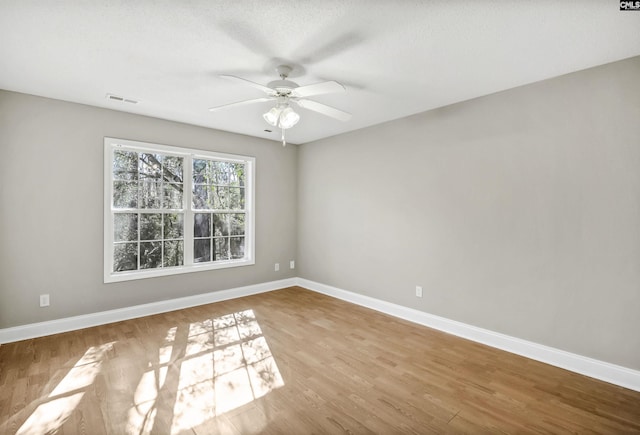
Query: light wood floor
292	362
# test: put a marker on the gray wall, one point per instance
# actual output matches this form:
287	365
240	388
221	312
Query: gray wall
518	212
51	220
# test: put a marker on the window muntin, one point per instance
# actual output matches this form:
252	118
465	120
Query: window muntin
172	210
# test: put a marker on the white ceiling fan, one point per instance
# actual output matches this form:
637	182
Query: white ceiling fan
285	92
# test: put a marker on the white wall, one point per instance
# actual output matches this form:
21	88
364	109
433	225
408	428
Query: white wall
518	212
51	218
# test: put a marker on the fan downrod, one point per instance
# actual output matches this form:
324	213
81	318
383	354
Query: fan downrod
284	71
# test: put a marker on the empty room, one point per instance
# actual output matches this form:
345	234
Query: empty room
295	217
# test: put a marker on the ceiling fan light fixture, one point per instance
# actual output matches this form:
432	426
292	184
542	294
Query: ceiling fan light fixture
281	116
272	116
288	118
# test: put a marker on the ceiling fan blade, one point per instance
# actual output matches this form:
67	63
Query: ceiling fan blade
319	88
263	88
323	109
241	103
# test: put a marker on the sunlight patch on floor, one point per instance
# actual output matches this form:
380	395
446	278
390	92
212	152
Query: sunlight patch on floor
141	416
50	415
226	364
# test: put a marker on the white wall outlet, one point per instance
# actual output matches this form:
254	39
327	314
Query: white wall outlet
418	291
44	300
292	264
276	267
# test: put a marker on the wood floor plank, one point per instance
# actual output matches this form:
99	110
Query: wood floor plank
291	362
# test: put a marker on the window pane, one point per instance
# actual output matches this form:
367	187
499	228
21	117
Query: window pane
125	165
221	172
201	250
201	196
236	198
125	256
237	247
173	225
172	195
150	226
200	171
173	253
150	166
172	169
150	194
236	174
220	224
150	255
202	225
220	198
125	227
222	249
237	224
125	194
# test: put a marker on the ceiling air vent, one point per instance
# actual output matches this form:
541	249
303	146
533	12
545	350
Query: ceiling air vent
121	99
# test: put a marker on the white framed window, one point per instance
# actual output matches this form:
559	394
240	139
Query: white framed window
170	210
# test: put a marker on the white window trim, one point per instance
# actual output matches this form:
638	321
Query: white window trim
110	144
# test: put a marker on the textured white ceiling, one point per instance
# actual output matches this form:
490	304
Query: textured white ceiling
395	57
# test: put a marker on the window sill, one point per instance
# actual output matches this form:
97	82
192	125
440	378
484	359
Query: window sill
110	277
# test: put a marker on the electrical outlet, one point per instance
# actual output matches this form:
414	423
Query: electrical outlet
276	267
44	300
418	291
292	264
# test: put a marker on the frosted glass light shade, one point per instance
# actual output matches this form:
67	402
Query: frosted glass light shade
288	118
281	116
272	116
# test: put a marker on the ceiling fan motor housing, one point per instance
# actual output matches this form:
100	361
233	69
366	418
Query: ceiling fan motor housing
284	71
283	87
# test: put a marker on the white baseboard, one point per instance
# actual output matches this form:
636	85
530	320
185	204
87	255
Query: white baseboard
51	327
604	371
593	368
